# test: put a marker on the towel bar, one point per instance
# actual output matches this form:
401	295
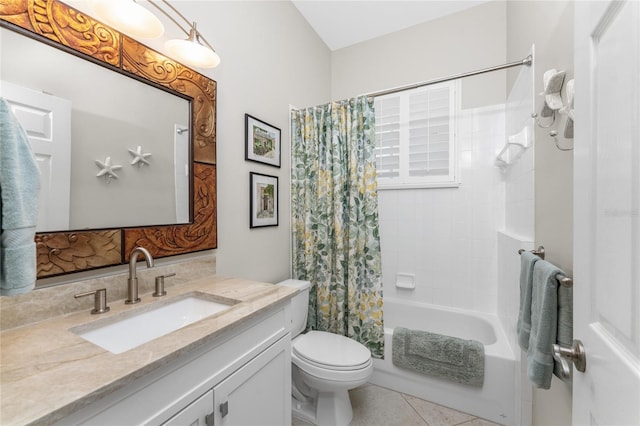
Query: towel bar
562	279
538	252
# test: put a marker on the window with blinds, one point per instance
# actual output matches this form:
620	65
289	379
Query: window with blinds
415	137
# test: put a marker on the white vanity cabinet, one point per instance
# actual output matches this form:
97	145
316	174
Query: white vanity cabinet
198	413
242	377
250	396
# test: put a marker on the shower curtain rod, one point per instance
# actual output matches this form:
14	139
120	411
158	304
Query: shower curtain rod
526	61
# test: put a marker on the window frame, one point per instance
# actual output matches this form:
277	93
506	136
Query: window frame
404	181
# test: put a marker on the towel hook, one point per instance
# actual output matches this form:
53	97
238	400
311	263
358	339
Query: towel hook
554	135
544	126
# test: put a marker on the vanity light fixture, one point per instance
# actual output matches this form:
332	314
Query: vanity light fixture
195	50
129	17
191	50
133	19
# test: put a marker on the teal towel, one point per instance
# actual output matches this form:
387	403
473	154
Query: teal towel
444	357
545	323
523	327
19	192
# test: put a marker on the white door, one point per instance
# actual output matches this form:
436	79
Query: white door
181	143
607	212
47	121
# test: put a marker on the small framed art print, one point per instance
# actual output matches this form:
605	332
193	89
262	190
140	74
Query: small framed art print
262	141
264	200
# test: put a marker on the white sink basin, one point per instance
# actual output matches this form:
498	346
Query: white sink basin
124	332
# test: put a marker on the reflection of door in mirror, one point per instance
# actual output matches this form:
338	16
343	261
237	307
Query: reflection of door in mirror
182	169
111	116
47	121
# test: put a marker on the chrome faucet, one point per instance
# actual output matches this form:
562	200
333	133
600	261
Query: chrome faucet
132	282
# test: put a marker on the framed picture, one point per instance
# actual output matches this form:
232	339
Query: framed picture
262	141
264	200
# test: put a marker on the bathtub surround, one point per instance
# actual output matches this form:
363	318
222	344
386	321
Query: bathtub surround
445	357
447	236
335	218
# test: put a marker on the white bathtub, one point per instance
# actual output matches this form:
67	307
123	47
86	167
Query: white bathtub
495	401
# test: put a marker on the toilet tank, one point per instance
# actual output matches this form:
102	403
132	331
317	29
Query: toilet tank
299	305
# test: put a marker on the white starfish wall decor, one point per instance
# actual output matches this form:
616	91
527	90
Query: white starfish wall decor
107	169
139	157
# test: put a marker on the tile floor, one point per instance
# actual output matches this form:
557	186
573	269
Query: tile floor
377	406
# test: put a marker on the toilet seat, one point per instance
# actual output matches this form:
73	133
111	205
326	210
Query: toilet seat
331	356
331	351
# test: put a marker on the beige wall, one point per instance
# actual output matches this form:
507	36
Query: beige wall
465	41
549	25
271	58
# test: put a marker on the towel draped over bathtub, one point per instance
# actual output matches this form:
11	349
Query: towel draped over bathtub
445	357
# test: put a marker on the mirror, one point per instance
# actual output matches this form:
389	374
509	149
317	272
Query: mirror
171	87
75	124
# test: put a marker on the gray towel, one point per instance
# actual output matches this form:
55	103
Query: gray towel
546	322
444	357
523	327
565	325
19	190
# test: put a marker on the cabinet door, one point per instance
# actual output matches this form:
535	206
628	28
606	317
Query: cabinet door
259	393
195	413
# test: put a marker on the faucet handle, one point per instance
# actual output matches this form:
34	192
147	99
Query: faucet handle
160	284
100	300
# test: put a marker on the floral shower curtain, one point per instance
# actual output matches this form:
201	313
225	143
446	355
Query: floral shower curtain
334	201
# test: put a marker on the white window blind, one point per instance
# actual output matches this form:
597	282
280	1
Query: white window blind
415	137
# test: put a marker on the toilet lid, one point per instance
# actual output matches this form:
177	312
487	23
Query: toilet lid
331	350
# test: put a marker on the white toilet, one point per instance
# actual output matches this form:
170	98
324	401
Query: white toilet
325	367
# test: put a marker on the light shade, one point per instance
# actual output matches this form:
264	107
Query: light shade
192	53
129	17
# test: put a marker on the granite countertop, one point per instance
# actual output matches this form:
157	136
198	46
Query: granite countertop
47	372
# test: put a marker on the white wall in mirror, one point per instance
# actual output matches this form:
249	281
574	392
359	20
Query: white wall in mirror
110	114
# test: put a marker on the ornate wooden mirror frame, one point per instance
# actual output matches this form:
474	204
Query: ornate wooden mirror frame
63	27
